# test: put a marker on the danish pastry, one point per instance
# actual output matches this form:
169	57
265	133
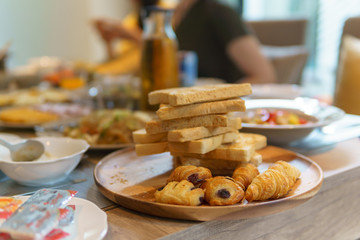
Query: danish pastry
245	174
221	191
180	193
274	183
192	174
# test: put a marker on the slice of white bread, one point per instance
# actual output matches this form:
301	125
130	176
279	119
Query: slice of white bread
151	148
217	166
188	134
167	112
196	94
158	126
242	150
204	145
141	136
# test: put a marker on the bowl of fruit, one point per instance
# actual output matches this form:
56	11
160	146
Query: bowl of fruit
284	121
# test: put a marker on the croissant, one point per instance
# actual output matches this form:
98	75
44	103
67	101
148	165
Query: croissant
274	183
245	174
222	191
288	169
180	193
190	173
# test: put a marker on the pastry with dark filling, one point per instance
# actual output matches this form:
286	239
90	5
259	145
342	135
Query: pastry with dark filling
195	175
221	191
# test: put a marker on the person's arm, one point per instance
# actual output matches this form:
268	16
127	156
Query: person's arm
110	30
246	54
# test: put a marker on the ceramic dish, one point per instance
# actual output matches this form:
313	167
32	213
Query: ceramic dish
131	181
310	109
90	221
61	157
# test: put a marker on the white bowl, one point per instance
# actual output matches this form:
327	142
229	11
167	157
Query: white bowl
310	109
61	157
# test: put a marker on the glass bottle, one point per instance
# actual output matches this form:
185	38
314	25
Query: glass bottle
159	62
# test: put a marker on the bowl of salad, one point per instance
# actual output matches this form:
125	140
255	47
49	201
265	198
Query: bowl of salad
284	121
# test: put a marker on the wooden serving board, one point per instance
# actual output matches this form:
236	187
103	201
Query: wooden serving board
131	181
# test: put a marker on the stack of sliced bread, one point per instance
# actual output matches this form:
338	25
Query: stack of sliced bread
198	127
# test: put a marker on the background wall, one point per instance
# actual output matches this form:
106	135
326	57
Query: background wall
59	28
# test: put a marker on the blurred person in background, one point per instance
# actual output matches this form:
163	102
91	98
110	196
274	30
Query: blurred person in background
225	47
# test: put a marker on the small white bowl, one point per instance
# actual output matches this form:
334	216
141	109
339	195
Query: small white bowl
61	157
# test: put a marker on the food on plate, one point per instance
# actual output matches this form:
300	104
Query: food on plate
205	145
188	134
199	123
244	175
220	191
157	126
197	120
274	117
193	174
141	136
41	216
241	150
167	112
208	93
108	126
245	184
274	183
34	96
151	148
218	167
197	126
180	193
26	115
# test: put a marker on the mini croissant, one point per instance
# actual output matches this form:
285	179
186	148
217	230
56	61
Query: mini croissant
192	174
244	175
274	183
180	193
221	191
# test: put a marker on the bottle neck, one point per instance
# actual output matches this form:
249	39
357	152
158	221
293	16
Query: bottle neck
158	24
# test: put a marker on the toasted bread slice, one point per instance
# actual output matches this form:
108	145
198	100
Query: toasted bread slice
141	136
188	134
189	95
167	112
217	166
151	148
204	145
158	126
242	150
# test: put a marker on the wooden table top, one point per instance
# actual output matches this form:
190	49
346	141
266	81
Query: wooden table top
333	213
334	205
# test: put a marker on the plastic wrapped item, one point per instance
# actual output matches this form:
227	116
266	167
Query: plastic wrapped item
41	215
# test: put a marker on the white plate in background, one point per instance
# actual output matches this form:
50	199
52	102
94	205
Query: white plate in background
278	91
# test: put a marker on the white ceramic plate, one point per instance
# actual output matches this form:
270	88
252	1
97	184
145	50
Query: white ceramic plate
319	116
90	221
